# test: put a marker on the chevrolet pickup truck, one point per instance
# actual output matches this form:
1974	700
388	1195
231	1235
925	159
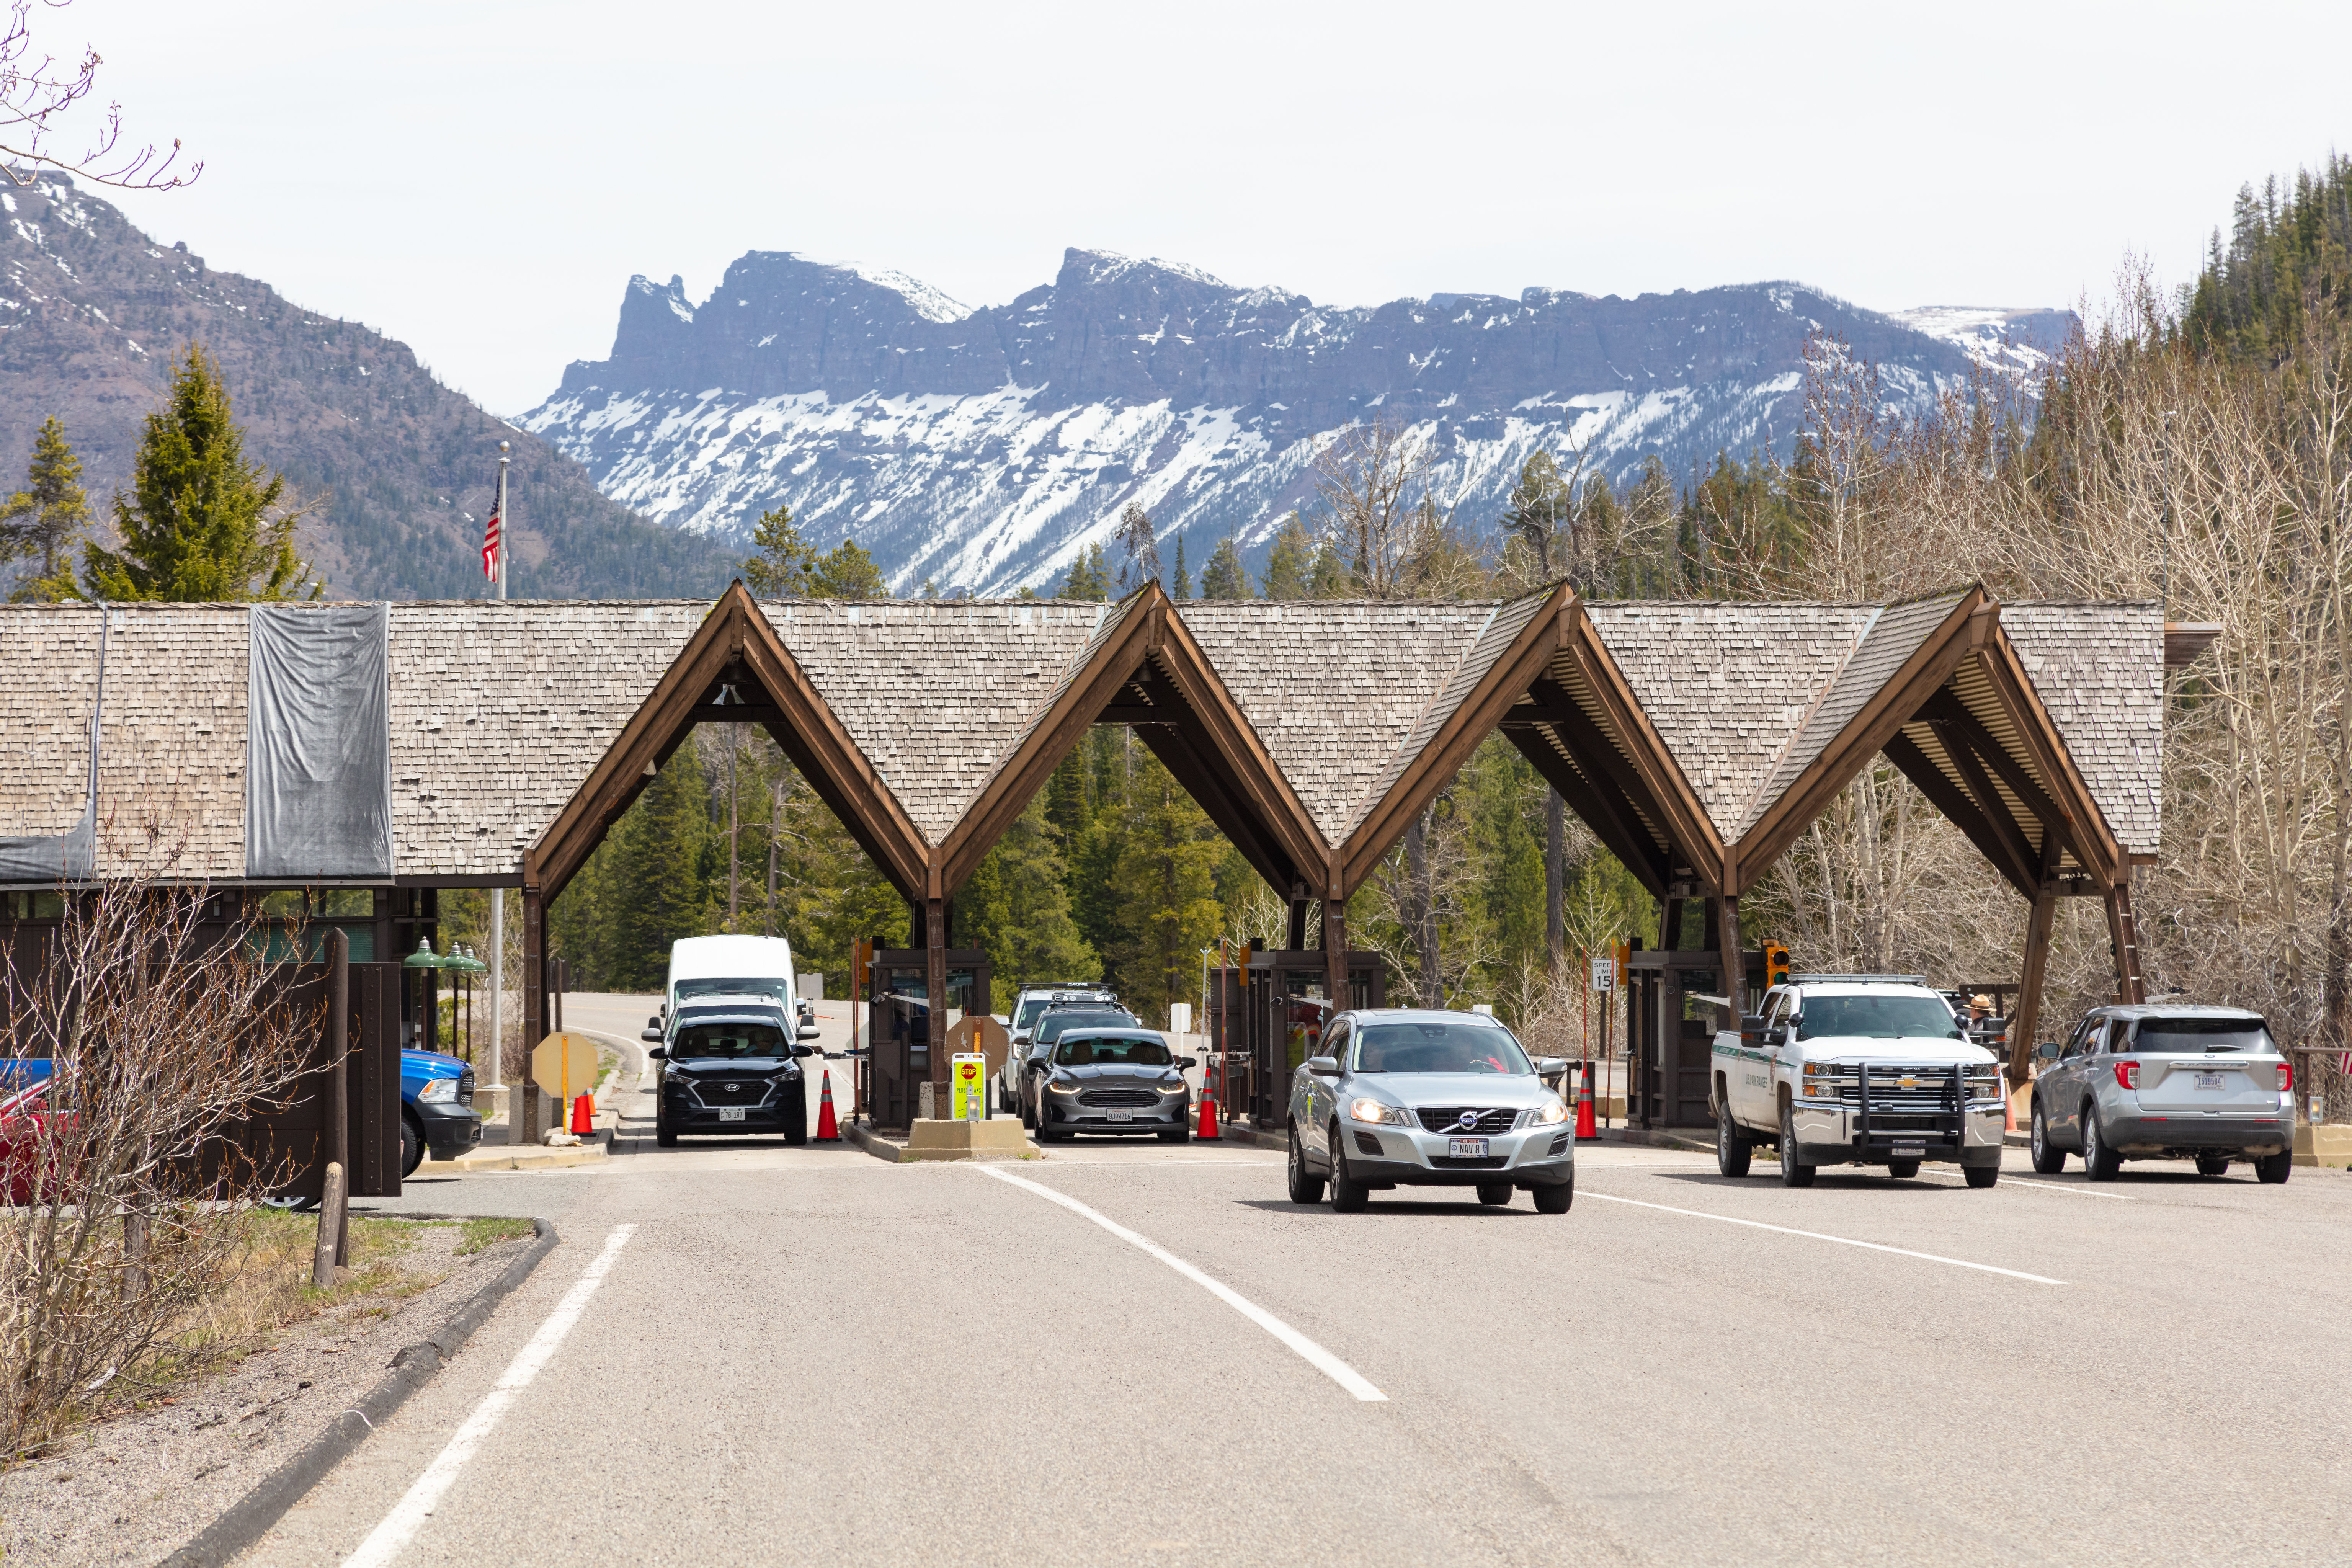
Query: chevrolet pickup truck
1855	1069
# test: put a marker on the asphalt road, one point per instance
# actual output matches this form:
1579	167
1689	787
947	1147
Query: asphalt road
806	1355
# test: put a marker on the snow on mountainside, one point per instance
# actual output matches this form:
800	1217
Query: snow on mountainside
985	448
2018	342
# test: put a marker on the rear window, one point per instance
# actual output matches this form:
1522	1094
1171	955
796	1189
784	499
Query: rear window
1056	1024
1439	1047
696	1042
1094	1051
1876	1018
2203	1035
768	985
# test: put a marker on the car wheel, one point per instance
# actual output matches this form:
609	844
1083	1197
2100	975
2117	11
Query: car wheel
1794	1172
2101	1162
1305	1186
1176	1135
1493	1195
1981	1176
664	1135
1555	1200
2212	1164
1902	1170
1028	1119
1732	1152
2273	1169
2048	1158
1349	1195
412	1148
796	1117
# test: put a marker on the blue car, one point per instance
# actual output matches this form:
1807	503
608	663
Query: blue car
437	1108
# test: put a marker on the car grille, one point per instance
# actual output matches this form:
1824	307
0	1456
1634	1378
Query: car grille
731	1091
1930	1090
1118	1098
466	1089
1448	1119
1447	1163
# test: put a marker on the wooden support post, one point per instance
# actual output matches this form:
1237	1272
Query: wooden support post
334	1206
935	994
2025	1019
523	1128
1335	952
1735	968
1670	925
1298	925
339	1092
2123	930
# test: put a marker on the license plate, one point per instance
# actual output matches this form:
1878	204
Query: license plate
1910	1148
2208	1080
1122	1116
730	1113
1466	1149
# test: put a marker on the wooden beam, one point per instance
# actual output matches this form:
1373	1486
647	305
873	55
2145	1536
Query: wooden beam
2095	845
2017	847
2025	1020
1865	735
1599	804
1690	832
2123	930
1947	711
1961	810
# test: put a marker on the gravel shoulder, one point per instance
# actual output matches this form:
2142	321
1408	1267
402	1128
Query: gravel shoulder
133	1488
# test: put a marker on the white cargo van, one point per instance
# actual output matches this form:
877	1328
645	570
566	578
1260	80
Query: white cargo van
731	966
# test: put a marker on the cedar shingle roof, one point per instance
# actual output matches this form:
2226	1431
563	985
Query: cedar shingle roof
2099	670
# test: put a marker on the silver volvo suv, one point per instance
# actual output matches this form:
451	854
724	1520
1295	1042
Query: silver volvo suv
1414	1097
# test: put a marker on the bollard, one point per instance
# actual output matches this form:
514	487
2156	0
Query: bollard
332	1205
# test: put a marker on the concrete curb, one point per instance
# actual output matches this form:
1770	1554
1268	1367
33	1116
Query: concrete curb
882	1148
250	1517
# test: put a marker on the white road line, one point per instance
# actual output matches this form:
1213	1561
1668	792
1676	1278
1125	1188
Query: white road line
409	1514
1817	1235
1315	1355
2072	1191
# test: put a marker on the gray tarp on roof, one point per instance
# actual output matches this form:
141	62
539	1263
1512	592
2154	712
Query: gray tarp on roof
73	854
318	799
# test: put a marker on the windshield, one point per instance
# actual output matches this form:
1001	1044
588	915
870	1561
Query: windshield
2203	1035
1094	1051
1056	1024
1037	1004
769	985
1876	1018
1439	1047
732	1037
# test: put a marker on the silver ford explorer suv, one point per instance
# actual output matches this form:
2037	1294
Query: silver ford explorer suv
2167	1081
1404	1097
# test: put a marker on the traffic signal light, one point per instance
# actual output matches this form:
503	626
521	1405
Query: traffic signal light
1776	964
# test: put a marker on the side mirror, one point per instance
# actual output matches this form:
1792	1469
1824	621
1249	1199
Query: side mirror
1188	1061
808	1032
803	1051
1750	1022
2047	1051
1323	1067
651	1036
654	1022
1551	1066
657	1053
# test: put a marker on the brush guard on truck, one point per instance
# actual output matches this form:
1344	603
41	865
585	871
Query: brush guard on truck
1892	1122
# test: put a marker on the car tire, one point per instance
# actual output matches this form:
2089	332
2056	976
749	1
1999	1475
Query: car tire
412	1147
2048	1158
664	1137
1555	1200
796	1118
1179	1135
1794	1172
1305	1186
2100	1162
1493	1195
2273	1169
1349	1195
1902	1170
1981	1176
1028	1119
1732	1150
2213	1164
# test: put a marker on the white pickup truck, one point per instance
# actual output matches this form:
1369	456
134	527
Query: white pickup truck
1855	1069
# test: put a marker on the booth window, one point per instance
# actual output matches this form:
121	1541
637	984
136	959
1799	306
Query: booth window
315	911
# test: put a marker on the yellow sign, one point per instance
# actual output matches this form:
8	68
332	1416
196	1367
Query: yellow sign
564	1065
968	1076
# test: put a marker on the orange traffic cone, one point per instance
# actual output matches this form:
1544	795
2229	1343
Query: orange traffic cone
828	1131
1585	1131
1208	1127
583	1115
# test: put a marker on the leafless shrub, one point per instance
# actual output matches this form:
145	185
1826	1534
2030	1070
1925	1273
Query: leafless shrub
168	1031
37	91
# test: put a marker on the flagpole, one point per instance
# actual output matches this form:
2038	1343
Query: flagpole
499	895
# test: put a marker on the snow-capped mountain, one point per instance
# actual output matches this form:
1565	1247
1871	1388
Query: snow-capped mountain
985	448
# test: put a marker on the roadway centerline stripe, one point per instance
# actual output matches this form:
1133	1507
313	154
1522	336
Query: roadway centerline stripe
1817	1235
1315	1355
2071	1192
409	1514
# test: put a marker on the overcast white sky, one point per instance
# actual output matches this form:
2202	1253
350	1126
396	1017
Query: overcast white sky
481	179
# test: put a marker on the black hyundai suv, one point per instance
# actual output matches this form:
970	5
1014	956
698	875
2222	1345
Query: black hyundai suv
730	1073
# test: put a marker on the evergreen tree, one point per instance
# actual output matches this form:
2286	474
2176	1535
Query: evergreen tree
846	573
198	522
1222	577
1182	587
43	521
1164	901
1090	577
781	559
1330	578
661	878
1290	564
1016	908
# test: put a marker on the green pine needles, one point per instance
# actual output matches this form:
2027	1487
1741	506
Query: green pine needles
199	522
43	522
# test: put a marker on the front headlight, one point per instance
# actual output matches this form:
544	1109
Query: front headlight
1545	1115
1058	1087
1373	1111
438	1090
1179	1087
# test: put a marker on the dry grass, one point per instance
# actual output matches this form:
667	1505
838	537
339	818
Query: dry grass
489	1231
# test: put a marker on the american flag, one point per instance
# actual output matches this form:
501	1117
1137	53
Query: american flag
490	545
